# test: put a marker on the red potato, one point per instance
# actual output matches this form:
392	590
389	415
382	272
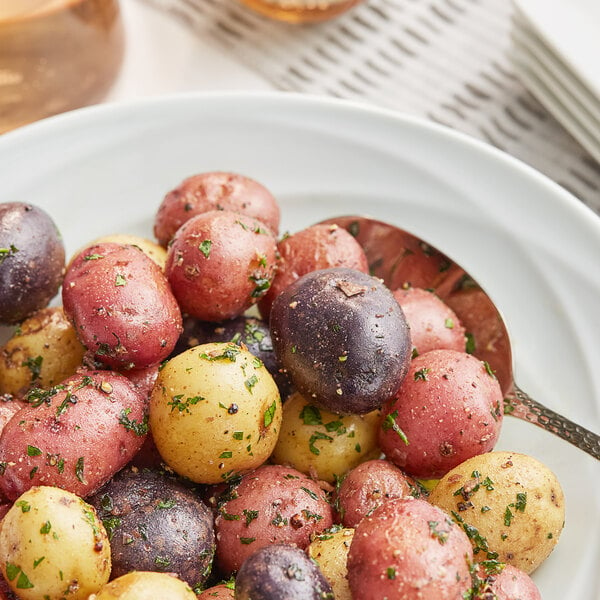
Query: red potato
409	549
368	486
214	191
272	504
448	409
314	248
433	324
121	306
499	581
220	263
222	591
76	435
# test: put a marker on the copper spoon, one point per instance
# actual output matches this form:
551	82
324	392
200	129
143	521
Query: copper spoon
402	259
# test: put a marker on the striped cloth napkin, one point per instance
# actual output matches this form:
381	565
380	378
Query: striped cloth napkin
445	60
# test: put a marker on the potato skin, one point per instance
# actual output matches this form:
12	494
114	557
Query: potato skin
409	549
330	551
316	247
281	571
156	523
151	249
215	190
42	352
220	263
512	503
214	411
121	306
32	260
322	444
52	541
60	437
500	581
343	339
448	409
218	592
368	486
270	505
140	585
433	324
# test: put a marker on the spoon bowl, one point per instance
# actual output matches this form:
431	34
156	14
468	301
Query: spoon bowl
401	259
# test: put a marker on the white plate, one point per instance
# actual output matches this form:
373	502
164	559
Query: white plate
531	244
571	29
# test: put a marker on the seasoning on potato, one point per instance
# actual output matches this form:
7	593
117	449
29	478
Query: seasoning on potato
32	260
322	444
342	337
448	409
510	504
75	435
52	545
140	585
215	410
42	352
121	305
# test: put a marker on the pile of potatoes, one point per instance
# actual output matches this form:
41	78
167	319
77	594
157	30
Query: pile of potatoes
225	413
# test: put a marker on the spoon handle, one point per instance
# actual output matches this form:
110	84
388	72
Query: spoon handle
522	406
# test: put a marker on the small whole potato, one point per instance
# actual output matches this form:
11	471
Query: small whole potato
368	486
499	581
409	549
214	190
156	523
43	351
342	337
330	551
448	408
316	247
322	444
510	504
433	324
281	571
142	585
270	505
220	263
76	435
215	410
32	260
52	545
121	306
221	591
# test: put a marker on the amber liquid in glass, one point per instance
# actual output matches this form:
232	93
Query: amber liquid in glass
301	11
56	55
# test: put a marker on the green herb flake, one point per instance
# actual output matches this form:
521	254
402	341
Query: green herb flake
521	502
162	561
35	366
7	252
238	435
488	369
421	374
250	515
247	540
226	454
470	343
251	382
111	524
120	280
33	451
270	414
391	573
23	582
261	285
311	415
357	448
508	517
449	323
38	561
45	528
79	469
183	406
93	256
166	504
390	423
205	247
24	505
138	428
317	435
310	493
440	536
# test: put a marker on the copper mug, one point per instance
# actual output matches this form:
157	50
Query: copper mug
56	55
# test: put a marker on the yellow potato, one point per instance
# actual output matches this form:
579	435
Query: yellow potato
52	545
215	410
330	551
43	352
511	506
141	585
322	444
